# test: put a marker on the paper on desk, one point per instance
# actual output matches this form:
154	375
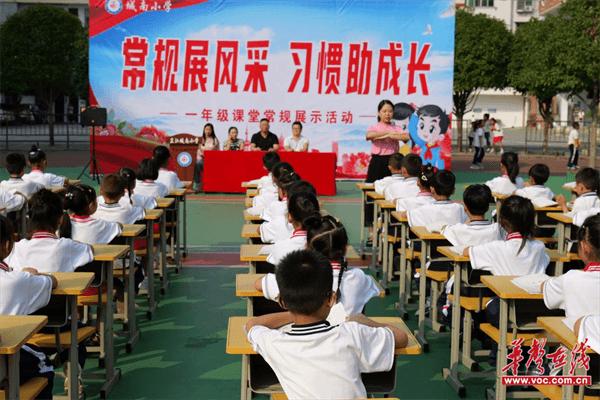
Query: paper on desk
570	185
543	202
532	284
266	249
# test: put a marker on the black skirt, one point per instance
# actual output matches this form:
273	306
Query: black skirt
378	169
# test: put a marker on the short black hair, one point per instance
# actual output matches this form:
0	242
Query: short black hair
161	154
270	159
539	173
301	186
280	168
148	170
264	119
297	123
443	182
113	186
302	206
589	178
477	199
413	164
36	155
45	211
287	179
305	281
15	163
395	161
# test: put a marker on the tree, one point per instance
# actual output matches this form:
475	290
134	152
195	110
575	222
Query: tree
42	50
481	56
534	67
578	37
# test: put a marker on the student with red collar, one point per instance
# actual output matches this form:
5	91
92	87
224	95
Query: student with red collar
15	166
424	196
38	162
509	181
279	208
161	155
317	360
587	186
112	209
146	184
578	291
22	293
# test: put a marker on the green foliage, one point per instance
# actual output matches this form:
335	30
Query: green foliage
43	50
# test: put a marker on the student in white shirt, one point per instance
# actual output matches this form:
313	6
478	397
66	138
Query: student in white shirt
442	212
22	293
587	186
578	291
279	208
45	250
327	236
112	190
509	181
300	207
411	169
588	327
478	145
130	197
573	143
279	227
424	196
162	155
534	189
38	163
146	184
80	202
268	193
15	166
296	142
395	167
316	360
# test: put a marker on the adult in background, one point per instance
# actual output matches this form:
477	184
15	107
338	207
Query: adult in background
487	129
208	141
232	142
573	146
264	139
296	142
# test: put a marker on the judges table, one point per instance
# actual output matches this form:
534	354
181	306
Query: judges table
224	171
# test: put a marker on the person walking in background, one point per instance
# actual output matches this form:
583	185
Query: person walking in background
487	128
497	135
573	147
478	145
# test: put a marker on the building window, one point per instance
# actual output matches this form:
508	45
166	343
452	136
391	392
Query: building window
480	3
492	110
525	5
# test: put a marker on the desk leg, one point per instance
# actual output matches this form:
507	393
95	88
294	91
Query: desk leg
362	224
112	374
375	251
150	268
184	227
134	334
163	253
402	280
562	243
567	236
451	374
420	333
177	235
73	351
245	389
502	350
13	375
385	278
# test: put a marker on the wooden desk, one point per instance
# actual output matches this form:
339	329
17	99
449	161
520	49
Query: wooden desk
507	292
371	198
15	330
165	202
250	253
363	187
132	230
251	218
564	223
109	252
251	192
249	185
251	231
375	196
180	198
386	207
404	283
72	283
151	217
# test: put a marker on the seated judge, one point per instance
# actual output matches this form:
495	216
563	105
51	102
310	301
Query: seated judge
296	142
264	139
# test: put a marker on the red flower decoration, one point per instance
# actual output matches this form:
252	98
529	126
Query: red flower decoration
152	133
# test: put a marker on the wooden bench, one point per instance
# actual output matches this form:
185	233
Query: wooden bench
29	390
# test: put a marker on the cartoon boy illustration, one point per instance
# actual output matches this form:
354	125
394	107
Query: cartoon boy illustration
427	128
402	113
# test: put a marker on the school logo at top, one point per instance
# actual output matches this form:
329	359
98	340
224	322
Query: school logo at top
113	6
184	159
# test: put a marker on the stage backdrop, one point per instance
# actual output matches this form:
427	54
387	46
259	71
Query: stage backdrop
166	67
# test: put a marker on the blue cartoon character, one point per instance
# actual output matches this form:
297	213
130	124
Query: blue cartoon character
427	128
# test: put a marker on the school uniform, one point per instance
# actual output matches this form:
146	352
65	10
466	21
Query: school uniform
86	229
357	288
436	215
540	195
263	200
409	203
117	212
22	293
382	183
500	257
277	229
169	179
44	178
27	188
590	330
137	200
503	185
577	292
323	361
277	251
151	189
584	202
48	253
263	180
10	202
580	216
275	209
402	189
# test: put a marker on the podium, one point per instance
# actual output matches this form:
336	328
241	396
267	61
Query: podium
183	149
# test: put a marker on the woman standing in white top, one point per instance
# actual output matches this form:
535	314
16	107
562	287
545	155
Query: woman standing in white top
573	146
208	141
296	142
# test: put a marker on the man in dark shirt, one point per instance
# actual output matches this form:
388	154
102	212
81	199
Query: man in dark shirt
263	139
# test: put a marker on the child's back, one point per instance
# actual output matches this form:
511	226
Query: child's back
27	188
119	212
